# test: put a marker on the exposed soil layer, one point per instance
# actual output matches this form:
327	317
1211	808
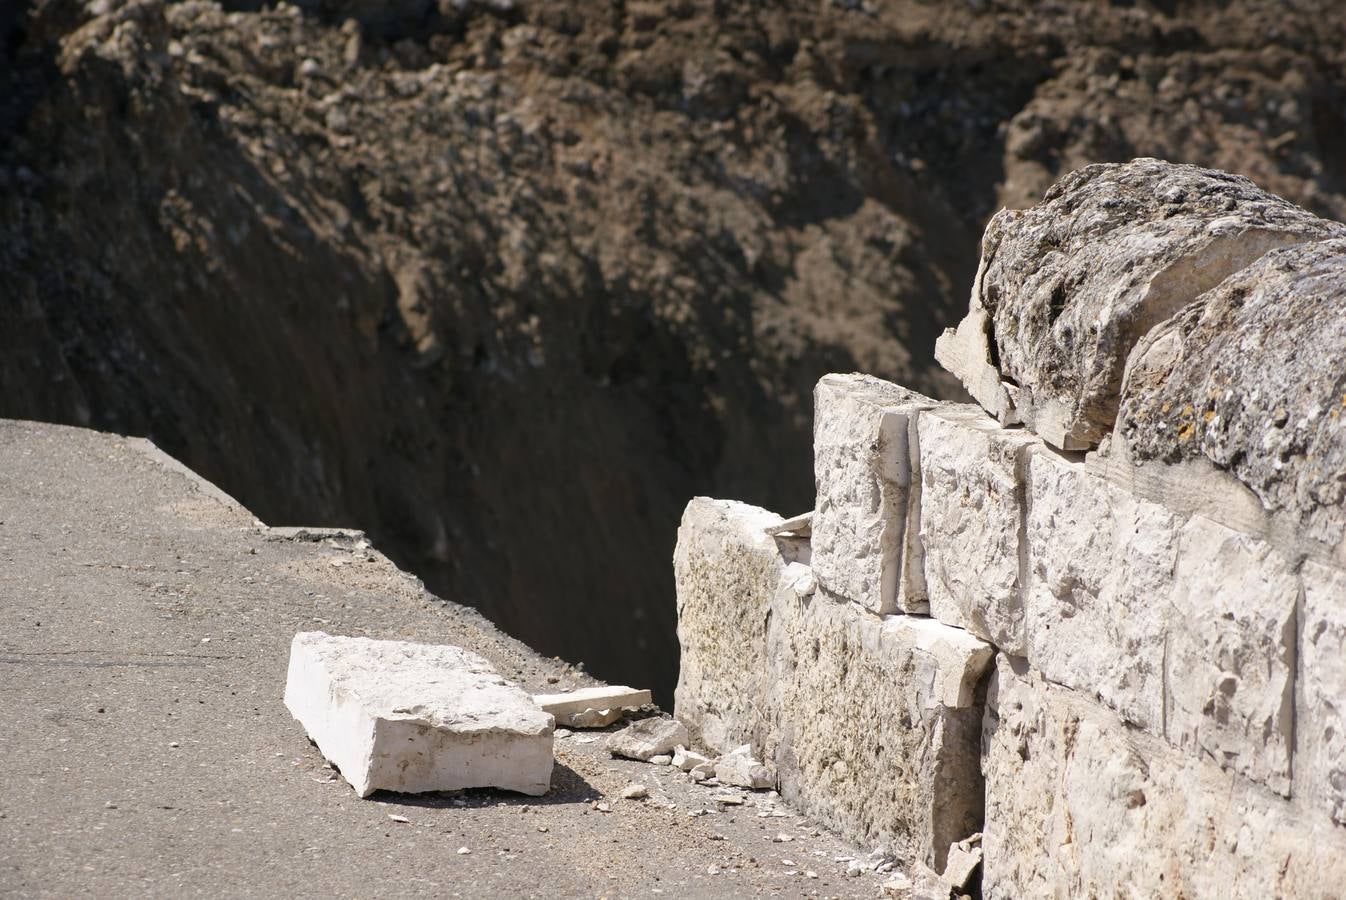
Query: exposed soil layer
506	283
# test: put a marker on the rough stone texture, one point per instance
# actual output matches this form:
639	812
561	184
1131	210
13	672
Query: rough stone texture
1113	250
1250	377
874	722
863	528
1320	757
727	570
740	769
1100	565
655	736
397	716
971	475
1079	804
1231	646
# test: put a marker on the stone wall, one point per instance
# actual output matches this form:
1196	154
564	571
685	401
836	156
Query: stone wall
1101	615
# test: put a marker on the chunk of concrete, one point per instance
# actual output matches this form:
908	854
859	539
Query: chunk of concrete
1078	803
646	738
972	477
865	542
1072	284
397	716
1249	377
592	707
1320	761
1231	647
1100	565
726	570
874	723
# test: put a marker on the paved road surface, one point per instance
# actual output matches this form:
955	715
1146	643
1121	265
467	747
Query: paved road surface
145	620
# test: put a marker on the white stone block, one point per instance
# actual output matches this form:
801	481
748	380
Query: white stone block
865	542
647	738
1230	685
1079	804
972	476
874	723
1320	763
592	707
726	570
1100	565
398	716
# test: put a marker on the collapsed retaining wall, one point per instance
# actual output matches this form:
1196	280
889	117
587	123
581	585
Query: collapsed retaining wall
1115	644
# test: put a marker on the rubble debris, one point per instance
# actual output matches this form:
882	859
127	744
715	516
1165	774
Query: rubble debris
963	859
740	769
635	791
648	737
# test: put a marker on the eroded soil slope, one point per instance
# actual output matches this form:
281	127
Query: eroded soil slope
505	283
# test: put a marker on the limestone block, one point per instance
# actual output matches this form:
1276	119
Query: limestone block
874	722
397	716
739	769
972	476
1078	804
726	570
1249	377
1072	284
592	707
1100	565
1320	762
647	738
865	545
1230	685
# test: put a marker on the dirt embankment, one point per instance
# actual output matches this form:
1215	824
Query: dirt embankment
505	283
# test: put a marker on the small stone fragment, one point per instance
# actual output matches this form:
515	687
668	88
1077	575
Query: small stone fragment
635	792
740	769
463	851
686	760
963	859
662	759
899	886
648	737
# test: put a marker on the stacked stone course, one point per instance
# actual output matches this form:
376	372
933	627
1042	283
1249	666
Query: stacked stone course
1116	643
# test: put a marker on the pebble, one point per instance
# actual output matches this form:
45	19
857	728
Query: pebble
174	744
402	819
602	806
809	873
782	838
854	870
463	851
563	733
662	759
712	870
635	792
727	799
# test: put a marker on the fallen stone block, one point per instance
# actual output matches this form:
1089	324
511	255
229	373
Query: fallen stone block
963	860
646	738
592	707
972	477
1231	648
738	769
398	716
874	722
1320	759
726	570
1067	288
1248	377
1099	565
865	541
686	760
1078	803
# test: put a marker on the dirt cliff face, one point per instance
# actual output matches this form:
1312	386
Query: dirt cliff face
506	283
